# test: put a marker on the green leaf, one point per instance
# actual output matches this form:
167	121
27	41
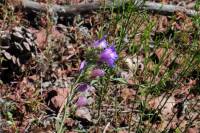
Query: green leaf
120	80
10	122
178	130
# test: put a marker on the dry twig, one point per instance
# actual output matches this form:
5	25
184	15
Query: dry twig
97	4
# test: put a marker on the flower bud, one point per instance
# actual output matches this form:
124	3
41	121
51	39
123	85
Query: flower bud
97	73
82	101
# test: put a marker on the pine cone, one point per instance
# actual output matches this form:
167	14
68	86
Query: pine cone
17	47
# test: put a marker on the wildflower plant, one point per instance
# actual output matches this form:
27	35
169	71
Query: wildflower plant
94	71
100	58
101	70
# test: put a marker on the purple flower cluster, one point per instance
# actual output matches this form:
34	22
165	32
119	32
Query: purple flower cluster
109	54
82	101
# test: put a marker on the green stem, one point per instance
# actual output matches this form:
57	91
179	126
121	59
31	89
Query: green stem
67	102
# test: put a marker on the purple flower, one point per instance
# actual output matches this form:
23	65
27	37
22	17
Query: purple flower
97	73
82	87
109	56
82	101
82	65
102	43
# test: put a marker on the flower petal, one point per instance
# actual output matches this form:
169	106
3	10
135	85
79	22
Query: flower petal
82	87
102	43
97	73
82	65
82	101
109	56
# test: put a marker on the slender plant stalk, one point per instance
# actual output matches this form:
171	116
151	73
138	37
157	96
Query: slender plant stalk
178	78
186	128
67	102
188	113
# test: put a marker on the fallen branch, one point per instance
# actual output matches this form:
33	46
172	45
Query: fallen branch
61	10
97	4
152	6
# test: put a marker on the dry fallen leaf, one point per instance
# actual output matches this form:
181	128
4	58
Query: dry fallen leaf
56	97
127	94
41	35
41	38
14	2
180	15
57	101
167	109
27	87
83	113
71	132
69	122
162	24
123	131
193	130
48	129
134	63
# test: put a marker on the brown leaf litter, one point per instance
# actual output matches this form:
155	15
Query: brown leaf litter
56	97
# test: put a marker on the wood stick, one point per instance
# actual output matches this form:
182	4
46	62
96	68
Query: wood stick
97	4
60	10
152	6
